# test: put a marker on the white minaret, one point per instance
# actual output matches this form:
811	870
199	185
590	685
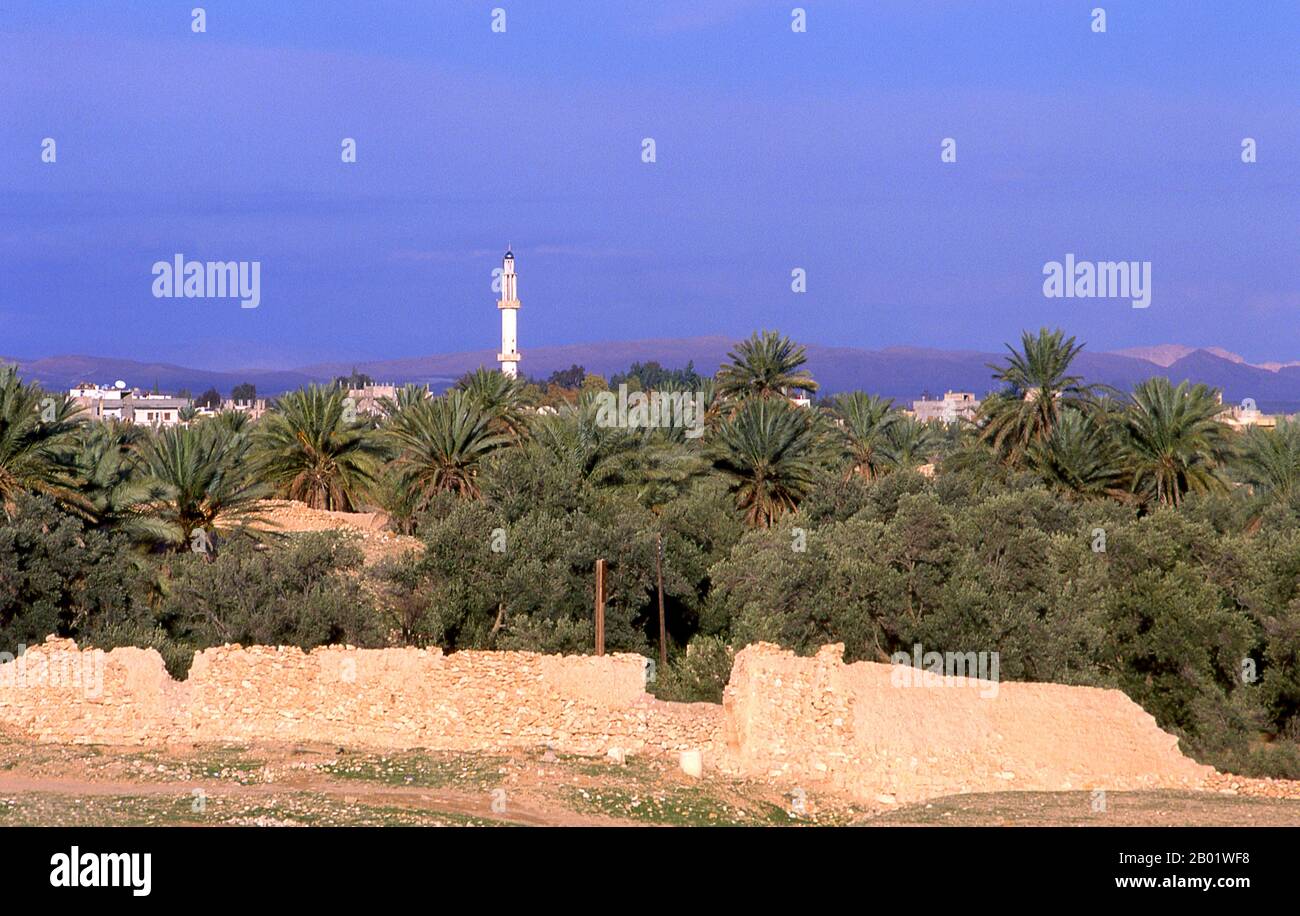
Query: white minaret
509	305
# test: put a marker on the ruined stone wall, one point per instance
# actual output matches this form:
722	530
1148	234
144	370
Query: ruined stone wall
387	698
56	693
813	722
866	730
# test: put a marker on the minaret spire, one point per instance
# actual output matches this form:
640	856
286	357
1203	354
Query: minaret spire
509	305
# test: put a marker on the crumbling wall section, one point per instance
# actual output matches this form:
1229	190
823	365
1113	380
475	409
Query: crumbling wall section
881	733
386	698
857	729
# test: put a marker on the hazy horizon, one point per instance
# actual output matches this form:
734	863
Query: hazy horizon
1137	352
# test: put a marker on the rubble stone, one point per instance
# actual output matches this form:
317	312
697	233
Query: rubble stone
809	722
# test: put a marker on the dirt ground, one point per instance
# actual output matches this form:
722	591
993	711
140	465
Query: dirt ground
368	528
306	785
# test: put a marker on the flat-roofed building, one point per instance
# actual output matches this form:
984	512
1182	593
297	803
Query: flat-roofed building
254	407
369	400
1245	415
117	402
155	410
953	406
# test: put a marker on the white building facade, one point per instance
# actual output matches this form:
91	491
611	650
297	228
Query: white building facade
955	405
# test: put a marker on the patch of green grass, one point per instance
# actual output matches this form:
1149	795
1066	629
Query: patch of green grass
42	809
222	762
289	810
416	768
684	806
634	767
321	811
15	752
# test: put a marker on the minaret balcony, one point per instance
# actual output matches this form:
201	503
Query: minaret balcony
507	303
509	357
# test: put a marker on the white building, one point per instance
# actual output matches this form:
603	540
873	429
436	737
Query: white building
954	406
155	410
115	402
509	305
1245	415
370	399
255	408
101	402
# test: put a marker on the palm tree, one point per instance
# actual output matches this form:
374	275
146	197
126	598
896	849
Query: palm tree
865	420
1038	390
203	470
234	421
573	436
684	415
34	429
440	443
1173	443
909	443
112	479
1270	459
657	473
407	395
499	396
711	401
1081	455
765	365
311	450
769	450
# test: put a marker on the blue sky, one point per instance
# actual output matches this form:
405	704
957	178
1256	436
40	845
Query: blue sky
775	150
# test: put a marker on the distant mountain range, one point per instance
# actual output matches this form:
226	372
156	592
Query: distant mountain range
1168	354
903	373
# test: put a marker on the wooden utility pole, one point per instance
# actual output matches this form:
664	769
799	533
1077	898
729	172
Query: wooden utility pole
663	628
600	607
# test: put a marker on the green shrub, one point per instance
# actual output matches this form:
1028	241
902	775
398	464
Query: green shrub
1277	760
57	577
698	675
303	592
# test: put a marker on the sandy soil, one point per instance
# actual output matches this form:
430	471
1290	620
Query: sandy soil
1167	808
302	785
305	785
